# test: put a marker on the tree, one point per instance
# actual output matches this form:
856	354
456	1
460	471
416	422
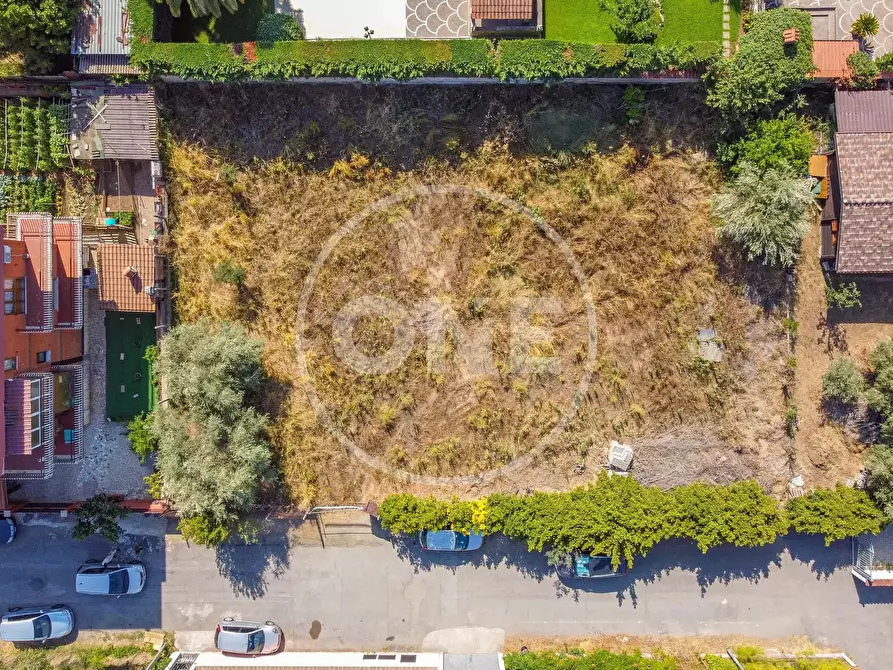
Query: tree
835	513
766	212
38	28
879	483
635	21
99	515
764	69
204	7
863	71
142	439
279	28
784	143
865	26
843	381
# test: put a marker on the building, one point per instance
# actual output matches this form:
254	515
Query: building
100	42
341	661
857	218
42	340
829	58
117	123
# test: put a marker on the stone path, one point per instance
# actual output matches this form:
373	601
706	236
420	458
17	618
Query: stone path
726	28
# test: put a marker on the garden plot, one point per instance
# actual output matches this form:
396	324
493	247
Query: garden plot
257	193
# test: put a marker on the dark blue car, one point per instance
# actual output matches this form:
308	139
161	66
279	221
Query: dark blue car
449	540
590	566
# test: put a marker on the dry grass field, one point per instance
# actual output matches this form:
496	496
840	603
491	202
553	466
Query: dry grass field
262	177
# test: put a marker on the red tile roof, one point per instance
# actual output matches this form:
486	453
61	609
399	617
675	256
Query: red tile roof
119	292
864	111
501	9
829	57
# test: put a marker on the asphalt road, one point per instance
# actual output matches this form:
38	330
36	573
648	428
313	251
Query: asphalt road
366	597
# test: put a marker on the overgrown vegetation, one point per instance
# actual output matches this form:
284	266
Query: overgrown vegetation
213	454
26	193
124	652
580	660
38	29
764	70
864	71
635	21
279	28
99	515
766	212
783	144
880	400
843	381
142	439
619	517
843	295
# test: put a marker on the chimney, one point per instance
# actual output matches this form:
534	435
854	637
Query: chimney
791	36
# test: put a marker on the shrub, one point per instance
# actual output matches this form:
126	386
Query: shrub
204	7
835	513
41	29
843	381
99	515
863	71
865	26
764	69
879	463
767	213
785	143
843	296
142	439
592	660
203	530
885	62
635	21
228	272
279	28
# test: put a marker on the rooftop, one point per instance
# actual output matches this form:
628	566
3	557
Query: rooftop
501	9
830	57
865	162
102	27
125	270
118	122
864	111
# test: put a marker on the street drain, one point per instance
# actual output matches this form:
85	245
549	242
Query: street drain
315	629
38	584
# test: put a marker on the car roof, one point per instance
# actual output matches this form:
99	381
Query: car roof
228	640
440	539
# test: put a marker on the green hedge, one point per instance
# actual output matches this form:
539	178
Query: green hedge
620	517
405	59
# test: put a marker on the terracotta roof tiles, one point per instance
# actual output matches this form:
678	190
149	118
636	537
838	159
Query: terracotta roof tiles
120	291
829	57
502	9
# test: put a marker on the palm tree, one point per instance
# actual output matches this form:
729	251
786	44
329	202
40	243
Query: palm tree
865	26
204	7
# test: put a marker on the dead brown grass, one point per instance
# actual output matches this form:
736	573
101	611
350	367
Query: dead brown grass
635	218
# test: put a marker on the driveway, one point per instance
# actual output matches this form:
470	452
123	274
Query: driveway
375	595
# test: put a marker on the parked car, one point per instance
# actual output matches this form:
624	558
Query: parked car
36	624
248	638
7	531
112	579
590	566
450	540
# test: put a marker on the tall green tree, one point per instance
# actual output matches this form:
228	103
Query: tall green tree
40	29
835	513
99	515
203	7
766	213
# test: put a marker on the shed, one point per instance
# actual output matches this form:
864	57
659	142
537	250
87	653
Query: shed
116	122
829	58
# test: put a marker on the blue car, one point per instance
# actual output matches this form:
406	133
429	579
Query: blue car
449	540
590	566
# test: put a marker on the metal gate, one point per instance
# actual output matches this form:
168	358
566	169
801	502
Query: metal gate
863	559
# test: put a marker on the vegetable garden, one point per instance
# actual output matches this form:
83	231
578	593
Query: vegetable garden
34	135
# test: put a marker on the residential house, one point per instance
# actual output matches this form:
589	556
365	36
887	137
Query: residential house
857	219
42	340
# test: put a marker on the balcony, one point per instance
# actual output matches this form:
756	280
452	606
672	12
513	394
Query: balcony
30	446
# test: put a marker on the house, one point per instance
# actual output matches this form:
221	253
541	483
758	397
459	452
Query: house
42	340
100	42
833	19
857	219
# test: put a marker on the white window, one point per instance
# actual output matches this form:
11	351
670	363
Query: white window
36	423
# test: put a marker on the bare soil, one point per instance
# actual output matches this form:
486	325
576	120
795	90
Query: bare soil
263	176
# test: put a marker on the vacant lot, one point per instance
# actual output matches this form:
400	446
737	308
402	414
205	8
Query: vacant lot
263	176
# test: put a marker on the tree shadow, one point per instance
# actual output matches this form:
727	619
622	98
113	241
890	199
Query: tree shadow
876	296
249	565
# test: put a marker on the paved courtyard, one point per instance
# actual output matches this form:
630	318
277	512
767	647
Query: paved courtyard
832	19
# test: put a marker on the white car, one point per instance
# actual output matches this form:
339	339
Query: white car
112	579
36	624
248	638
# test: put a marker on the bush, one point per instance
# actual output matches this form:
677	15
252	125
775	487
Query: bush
865	26
279	28
879	463
228	272
843	296
767	213
142	440
843	381
763	70
41	29
99	515
784	143
835	513
636	21
863	71
203	530
885	62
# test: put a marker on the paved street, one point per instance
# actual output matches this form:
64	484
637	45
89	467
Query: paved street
366	597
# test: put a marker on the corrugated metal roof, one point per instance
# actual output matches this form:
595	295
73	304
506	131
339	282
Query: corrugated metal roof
106	64
102	27
864	111
865	163
829	57
501	9
118	122
120	291
866	239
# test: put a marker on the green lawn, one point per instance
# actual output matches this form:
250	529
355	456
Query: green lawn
238	27
129	389
684	21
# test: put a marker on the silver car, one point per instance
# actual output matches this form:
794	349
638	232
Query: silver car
36	624
248	638
112	579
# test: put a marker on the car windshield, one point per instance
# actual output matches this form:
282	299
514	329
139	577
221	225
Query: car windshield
256	641
42	627
600	565
118	581
461	541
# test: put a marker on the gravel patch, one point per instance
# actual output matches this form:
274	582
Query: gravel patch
109	465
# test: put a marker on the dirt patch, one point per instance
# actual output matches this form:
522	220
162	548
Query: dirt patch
629	199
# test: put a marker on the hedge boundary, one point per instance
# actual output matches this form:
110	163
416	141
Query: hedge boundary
402	59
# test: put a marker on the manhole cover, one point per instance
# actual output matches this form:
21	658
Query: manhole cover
38	584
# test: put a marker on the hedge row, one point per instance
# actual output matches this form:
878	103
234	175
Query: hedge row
403	59
620	517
